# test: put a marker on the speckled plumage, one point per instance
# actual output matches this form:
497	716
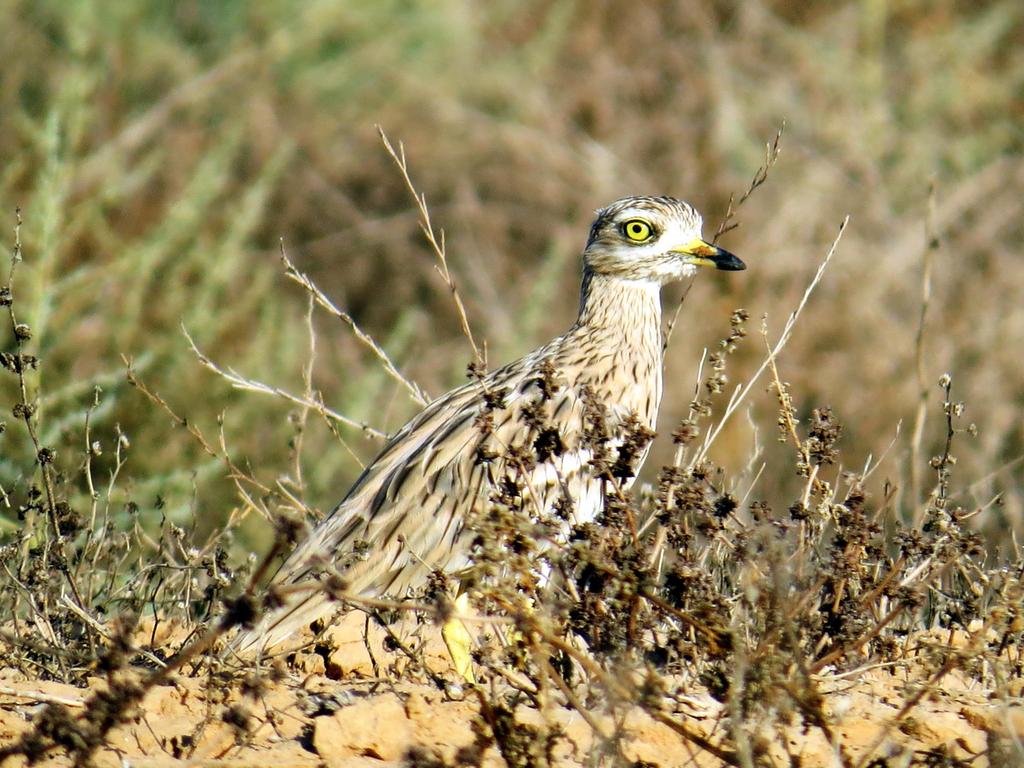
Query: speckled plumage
411	503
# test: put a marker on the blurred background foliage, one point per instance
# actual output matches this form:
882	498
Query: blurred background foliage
160	152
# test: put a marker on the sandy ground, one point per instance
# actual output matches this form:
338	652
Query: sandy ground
354	718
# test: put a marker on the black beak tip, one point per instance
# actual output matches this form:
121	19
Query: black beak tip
728	262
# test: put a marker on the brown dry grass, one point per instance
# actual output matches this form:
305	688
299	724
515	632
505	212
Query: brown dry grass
159	155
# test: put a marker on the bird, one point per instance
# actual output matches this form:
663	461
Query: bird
406	515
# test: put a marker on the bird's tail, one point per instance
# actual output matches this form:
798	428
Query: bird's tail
273	631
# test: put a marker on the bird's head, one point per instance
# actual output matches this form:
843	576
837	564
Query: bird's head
656	239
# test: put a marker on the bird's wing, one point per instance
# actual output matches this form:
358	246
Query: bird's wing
406	513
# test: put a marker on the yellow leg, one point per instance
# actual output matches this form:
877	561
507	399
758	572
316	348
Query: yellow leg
459	642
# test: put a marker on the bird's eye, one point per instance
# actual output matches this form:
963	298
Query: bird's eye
637	230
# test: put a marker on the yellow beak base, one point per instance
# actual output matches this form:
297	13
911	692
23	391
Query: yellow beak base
705	254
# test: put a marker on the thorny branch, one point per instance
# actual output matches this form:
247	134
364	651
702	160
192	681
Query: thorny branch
772	150
293	273
437	243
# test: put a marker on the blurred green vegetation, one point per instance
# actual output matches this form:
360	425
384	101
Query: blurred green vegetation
160	152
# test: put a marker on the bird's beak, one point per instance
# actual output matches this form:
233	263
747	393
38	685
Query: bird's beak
704	254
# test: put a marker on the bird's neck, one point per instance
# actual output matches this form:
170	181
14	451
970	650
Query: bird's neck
628	312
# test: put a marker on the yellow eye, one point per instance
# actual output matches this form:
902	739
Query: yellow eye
637	230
